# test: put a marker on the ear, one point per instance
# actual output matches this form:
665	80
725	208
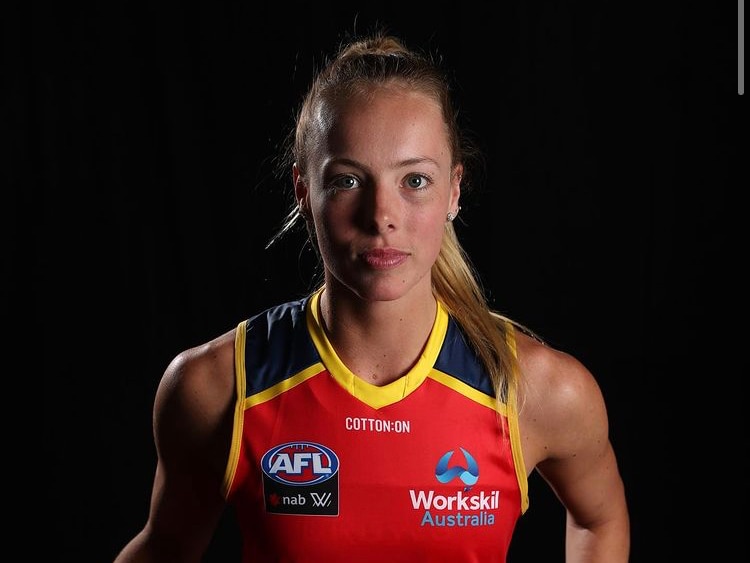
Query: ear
301	192
458	172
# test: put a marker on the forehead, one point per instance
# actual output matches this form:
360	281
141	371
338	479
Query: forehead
389	119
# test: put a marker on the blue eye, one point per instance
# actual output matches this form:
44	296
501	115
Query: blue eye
345	183
417	181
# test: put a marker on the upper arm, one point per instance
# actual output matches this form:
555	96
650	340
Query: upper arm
192	422
580	464
565	430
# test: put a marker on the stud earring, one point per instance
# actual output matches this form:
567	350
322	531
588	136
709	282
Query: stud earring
451	215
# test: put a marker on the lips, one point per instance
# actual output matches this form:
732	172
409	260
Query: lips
384	258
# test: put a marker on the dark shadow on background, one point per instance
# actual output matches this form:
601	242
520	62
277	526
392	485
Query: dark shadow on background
142	195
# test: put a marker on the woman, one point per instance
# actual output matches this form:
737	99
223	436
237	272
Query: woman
391	415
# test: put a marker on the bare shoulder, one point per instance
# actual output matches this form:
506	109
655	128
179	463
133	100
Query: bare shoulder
564	435
195	399
561	408
205	370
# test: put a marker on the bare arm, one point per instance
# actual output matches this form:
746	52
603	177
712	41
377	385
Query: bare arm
566	438
192	433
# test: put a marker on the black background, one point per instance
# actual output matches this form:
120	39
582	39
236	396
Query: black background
140	144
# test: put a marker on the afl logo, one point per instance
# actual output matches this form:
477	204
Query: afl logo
300	463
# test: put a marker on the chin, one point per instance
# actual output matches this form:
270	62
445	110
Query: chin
385	290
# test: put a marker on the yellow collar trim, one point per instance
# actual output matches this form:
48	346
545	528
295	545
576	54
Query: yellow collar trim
374	395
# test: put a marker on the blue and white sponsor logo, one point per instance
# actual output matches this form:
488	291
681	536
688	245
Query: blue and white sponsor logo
462	508
469	475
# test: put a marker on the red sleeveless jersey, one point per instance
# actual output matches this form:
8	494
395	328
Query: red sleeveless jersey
327	467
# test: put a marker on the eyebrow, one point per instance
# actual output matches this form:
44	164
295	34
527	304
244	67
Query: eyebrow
401	164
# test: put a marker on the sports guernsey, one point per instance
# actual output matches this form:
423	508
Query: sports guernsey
325	467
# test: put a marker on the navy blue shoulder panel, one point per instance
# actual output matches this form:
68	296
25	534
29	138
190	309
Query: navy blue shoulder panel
458	359
278	346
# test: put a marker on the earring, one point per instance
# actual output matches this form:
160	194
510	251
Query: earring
451	215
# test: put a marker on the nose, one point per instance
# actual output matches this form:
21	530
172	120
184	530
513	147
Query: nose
382	208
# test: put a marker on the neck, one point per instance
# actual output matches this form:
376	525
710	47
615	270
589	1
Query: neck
377	340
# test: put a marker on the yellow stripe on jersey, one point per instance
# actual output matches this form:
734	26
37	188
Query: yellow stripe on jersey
468	391
515	433
240	382
283	386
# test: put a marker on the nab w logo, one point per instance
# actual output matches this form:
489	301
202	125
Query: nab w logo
469	475
321	500
300	463
301	478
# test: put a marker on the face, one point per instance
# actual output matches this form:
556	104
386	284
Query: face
378	188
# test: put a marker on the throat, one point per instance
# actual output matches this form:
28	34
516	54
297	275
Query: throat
378	344
382	368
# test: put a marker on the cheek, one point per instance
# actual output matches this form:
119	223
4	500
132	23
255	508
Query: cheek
332	229
428	231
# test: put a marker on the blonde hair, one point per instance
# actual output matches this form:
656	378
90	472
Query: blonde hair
360	68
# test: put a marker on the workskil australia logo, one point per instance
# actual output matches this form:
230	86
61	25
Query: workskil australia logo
301	478
462	508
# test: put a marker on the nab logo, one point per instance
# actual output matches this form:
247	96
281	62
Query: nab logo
300	463
469	475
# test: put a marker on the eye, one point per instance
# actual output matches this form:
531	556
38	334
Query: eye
344	183
417	181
